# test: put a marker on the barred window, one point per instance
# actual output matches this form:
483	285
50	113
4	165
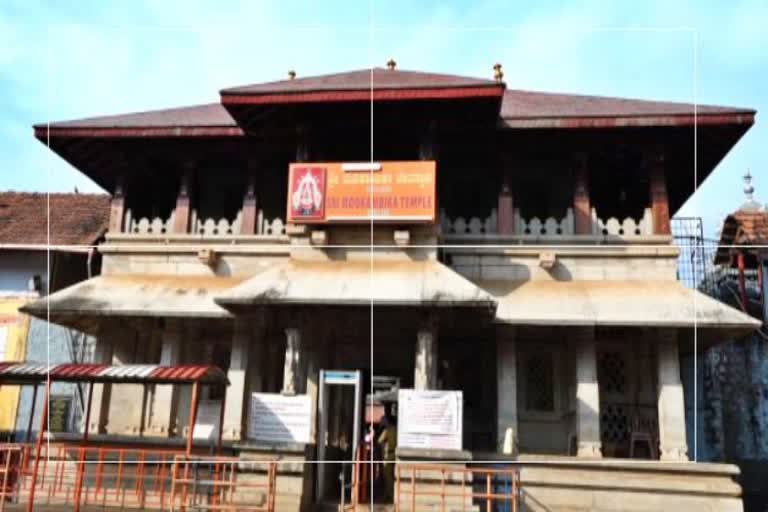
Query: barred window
612	373
540	382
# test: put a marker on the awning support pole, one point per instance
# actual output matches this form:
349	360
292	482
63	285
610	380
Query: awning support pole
88	411
193	416
221	422
32	412
38	446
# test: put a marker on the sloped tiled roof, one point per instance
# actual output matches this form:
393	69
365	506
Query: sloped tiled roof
363	79
533	104
518	108
744	227
75	219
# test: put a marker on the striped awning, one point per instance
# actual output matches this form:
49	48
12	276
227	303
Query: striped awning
29	373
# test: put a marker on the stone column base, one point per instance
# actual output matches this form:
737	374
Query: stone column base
589	450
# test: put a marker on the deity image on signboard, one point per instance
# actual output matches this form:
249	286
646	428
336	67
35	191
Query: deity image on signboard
307	193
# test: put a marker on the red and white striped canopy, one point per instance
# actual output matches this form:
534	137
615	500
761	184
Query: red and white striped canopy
22	373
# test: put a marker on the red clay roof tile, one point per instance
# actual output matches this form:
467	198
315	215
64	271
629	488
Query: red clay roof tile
75	219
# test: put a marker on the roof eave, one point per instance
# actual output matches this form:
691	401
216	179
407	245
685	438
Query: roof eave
357	95
43	132
743	118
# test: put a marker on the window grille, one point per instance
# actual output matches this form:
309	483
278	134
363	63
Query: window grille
539	383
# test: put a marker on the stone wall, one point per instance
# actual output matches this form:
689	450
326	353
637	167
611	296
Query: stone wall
732	407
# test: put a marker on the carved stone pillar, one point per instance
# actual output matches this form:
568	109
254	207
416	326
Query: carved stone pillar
672	441
166	401
506	396
181	217
117	207
658	192
292	368
587	394
425	368
582	207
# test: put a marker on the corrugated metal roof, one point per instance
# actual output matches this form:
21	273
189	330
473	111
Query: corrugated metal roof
127	374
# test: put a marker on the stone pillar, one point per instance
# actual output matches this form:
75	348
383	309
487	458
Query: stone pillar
425	368
587	395
181	216
126	400
506	396
101	392
672	441
658	192
250	202
234	409
117	207
582	207
292	368
506	209
166	402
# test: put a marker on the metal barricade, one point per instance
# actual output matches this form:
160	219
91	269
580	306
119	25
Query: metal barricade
453	488
212	484
77	476
13	458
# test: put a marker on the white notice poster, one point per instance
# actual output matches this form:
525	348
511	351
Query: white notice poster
429	419
207	420
276	418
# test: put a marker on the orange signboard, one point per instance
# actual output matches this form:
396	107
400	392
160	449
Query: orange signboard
355	192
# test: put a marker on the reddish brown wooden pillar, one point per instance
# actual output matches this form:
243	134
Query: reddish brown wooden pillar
582	206
658	191
506	207
742	281
250	202
181	218
117	207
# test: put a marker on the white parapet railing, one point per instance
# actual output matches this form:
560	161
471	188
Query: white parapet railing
628	227
547	227
550	226
469	226
221	227
273	227
146	225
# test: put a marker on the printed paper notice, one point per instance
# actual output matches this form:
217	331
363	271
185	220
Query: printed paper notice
276	418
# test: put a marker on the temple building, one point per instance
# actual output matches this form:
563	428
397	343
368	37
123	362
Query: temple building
503	253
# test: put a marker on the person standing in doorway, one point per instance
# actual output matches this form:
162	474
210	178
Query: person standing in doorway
388	442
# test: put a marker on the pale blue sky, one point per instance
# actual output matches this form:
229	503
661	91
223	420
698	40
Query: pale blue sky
63	60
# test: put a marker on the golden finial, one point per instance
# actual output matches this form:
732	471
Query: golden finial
291	74
498	74
391	64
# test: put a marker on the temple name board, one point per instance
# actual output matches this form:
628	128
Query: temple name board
361	192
